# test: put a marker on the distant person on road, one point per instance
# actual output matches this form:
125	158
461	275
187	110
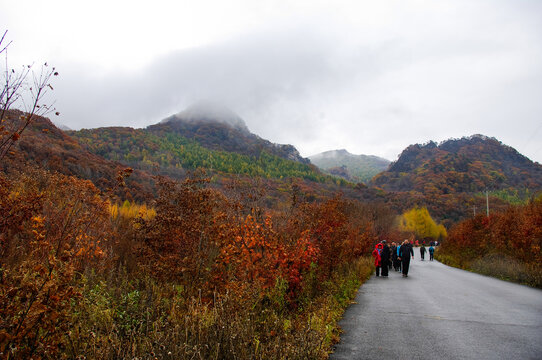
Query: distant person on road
385	258
405	253
431	251
422	252
378	258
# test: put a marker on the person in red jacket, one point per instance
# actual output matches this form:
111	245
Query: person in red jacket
378	258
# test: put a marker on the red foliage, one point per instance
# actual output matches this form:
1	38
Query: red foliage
516	232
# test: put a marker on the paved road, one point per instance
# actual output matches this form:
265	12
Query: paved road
440	312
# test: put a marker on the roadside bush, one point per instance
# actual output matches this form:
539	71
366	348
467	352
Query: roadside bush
507	245
192	277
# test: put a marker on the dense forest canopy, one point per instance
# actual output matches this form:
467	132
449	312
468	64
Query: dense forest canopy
171	153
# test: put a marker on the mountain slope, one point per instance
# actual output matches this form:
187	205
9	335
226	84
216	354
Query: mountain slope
350	166
468	165
169	153
266	179
217	140
46	146
218	128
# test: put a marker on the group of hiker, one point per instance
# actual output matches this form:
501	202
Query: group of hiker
397	256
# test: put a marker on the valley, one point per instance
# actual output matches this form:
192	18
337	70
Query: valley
199	219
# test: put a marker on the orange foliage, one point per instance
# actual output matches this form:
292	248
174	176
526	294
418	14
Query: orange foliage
253	253
51	228
57	230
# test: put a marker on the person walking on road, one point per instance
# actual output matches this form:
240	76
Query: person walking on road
422	252
385	258
404	253
393	250
378	258
398	258
431	251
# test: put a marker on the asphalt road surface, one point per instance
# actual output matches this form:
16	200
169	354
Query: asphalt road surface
440	312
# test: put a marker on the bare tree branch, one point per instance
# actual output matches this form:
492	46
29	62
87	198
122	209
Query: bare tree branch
15	90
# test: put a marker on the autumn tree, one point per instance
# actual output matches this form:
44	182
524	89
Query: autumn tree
419	222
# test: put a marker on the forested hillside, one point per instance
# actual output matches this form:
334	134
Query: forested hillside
468	165
47	147
451	178
169	153
44	145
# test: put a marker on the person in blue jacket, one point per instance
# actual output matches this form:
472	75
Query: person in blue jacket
398	257
431	251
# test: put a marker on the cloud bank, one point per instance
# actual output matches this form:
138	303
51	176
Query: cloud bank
372	82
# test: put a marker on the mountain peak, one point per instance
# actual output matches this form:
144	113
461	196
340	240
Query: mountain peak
209	112
216	127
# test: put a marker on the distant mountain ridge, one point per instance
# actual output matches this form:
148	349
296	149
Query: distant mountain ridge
468	165
349	166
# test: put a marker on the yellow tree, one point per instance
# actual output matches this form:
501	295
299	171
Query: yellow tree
419	221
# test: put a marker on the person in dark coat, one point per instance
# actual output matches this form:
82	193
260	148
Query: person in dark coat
404	253
385	258
422	252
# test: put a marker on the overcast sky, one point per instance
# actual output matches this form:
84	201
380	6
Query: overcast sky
371	77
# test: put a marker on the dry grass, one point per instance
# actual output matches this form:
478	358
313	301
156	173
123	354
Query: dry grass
507	268
497	265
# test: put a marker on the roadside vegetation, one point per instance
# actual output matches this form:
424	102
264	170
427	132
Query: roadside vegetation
507	245
197	275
